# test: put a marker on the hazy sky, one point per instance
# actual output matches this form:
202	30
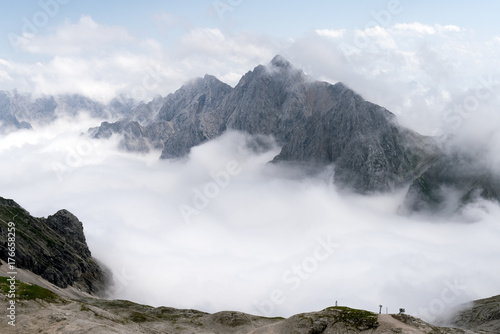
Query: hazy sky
258	239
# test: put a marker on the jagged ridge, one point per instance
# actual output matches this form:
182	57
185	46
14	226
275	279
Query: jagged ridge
314	122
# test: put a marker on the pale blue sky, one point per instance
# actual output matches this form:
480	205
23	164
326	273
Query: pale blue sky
284	19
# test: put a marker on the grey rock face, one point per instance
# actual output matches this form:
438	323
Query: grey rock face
451	181
369	150
269	100
8	121
53	247
176	123
195	114
482	315
19	111
323	123
136	137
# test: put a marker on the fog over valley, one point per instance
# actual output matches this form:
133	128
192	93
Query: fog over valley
235	232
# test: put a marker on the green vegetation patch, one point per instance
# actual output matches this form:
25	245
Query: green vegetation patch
138	317
26	291
359	319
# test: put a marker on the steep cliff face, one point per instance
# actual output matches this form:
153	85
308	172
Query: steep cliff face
270	100
195	114
369	150
451	181
53	247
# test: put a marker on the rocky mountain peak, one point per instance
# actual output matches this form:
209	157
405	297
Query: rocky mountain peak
281	62
281	69
68	226
278	70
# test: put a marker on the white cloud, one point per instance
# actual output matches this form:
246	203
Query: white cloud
70	39
424	29
331	33
103	61
415	27
450	28
405	68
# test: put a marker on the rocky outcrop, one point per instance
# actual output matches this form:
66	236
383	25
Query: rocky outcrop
20	111
8	121
136	137
195	114
451	181
54	248
482	315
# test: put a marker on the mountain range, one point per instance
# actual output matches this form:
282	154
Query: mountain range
22	111
314	123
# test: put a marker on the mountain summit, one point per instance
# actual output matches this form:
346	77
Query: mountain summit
279	61
314	122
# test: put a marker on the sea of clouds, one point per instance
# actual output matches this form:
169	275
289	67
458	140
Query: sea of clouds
223	229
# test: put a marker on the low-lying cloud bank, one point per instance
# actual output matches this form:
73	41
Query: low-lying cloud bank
223	229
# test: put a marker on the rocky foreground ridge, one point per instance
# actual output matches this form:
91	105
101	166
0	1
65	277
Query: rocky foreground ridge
42	310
